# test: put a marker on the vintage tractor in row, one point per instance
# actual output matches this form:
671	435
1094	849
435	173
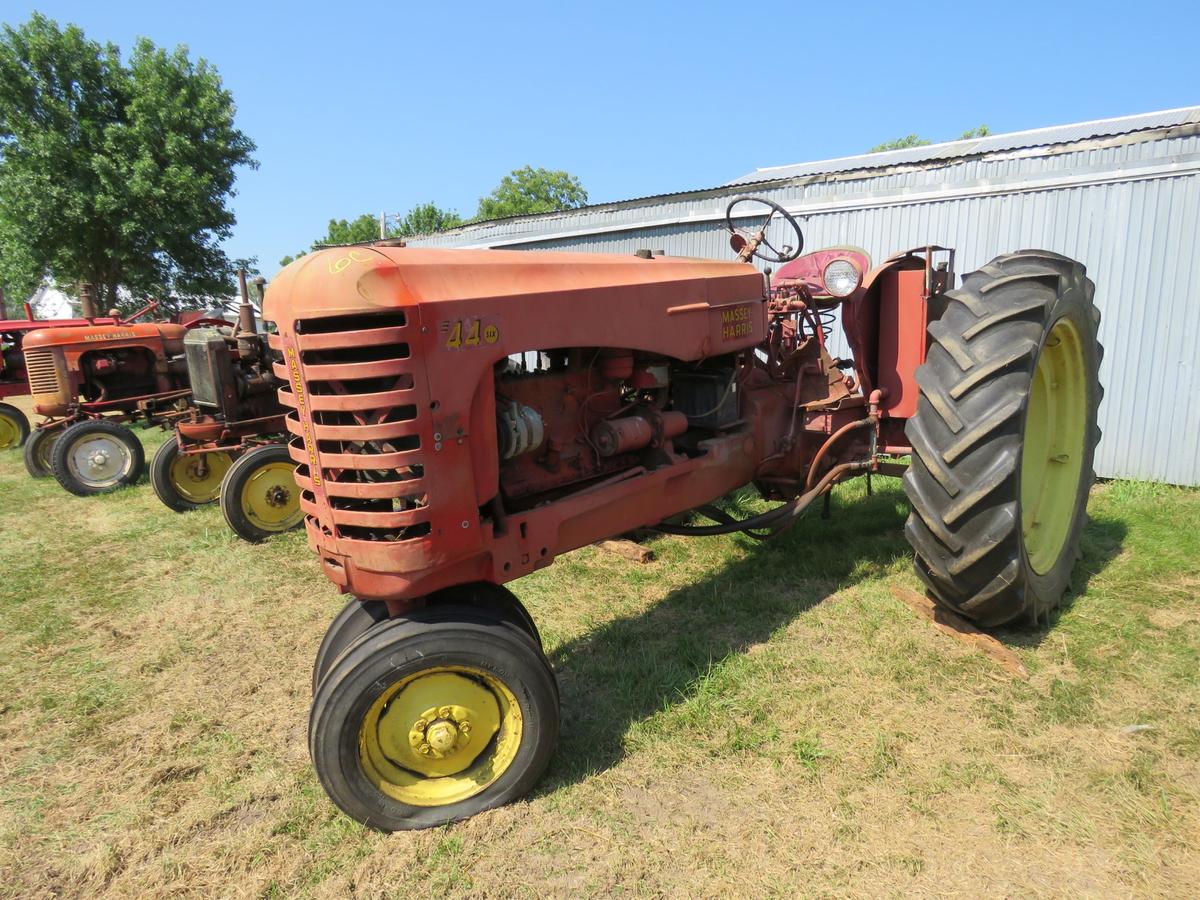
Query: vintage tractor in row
231	445
462	417
88	381
14	378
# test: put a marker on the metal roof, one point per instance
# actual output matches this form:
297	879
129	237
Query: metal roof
992	143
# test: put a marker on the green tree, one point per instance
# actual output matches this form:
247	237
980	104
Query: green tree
427	218
529	190
981	131
116	173
424	218
909	140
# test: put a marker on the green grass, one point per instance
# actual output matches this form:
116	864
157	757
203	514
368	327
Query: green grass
737	717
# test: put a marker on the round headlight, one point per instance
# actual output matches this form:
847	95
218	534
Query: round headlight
841	278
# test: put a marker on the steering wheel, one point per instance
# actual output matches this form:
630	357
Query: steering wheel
739	234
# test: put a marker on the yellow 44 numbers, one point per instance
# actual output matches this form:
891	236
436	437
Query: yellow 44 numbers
470	333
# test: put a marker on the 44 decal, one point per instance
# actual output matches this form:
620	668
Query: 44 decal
459	334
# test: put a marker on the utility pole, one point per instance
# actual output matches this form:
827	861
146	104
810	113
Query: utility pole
383	226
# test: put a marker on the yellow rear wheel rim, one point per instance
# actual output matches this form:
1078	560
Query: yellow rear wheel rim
10	431
197	478
440	736
270	498
1052	455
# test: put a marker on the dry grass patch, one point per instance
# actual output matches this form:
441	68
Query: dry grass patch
763	720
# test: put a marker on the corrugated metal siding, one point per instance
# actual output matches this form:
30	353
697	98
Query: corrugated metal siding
1132	216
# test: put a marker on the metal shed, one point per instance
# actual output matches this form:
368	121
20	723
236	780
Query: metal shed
1120	195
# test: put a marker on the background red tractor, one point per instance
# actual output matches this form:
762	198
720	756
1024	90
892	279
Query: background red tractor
462	417
232	444
87	381
14	379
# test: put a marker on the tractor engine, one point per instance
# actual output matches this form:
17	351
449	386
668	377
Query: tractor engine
230	373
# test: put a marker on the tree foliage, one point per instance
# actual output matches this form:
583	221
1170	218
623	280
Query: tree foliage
528	190
909	140
114	172
915	140
424	218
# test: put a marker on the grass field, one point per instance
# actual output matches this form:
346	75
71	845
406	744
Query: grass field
737	719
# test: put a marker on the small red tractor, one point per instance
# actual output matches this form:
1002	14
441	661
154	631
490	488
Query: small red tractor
231	445
86	381
14	380
462	417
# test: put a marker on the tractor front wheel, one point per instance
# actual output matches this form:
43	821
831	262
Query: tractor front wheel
187	481
14	427
39	451
97	456
357	617
259	495
431	718
1004	437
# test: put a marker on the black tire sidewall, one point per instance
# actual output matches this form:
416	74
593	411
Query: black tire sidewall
1047	588
62	447
235	479
33	447
160	477
404	647
355	620
22	421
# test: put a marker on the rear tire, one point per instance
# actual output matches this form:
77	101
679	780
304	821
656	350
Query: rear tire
1004	438
14	427
39	452
259	496
176	480
96	456
386	731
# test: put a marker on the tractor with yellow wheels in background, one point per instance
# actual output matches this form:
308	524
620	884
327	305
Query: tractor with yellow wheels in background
459	418
231	445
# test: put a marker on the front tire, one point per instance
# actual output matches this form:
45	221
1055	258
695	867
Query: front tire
259	495
39	452
432	718
1004	438
97	456
187	482
14	427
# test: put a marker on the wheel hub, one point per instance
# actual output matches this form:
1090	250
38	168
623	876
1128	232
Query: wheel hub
100	460
277	496
441	732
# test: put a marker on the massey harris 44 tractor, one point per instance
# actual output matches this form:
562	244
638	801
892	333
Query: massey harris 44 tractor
232	444
433	467
87	380
14	379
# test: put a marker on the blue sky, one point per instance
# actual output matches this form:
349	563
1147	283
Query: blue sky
362	106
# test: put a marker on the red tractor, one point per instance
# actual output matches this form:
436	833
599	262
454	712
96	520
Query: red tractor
462	417
14	379
89	379
231	445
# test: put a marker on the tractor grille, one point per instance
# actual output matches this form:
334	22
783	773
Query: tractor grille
43	372
357	380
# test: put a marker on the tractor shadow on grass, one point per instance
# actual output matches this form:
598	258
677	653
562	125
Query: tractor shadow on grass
634	667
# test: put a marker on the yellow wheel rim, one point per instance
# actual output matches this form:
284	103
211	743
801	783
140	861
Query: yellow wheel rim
197	478
270	498
1052	455
440	736
10	431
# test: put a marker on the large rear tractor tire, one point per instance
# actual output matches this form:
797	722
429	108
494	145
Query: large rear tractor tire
431	718
97	456
14	427
39	450
187	482
1004	437
259	495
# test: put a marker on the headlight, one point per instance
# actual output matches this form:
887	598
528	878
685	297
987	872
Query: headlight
841	278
